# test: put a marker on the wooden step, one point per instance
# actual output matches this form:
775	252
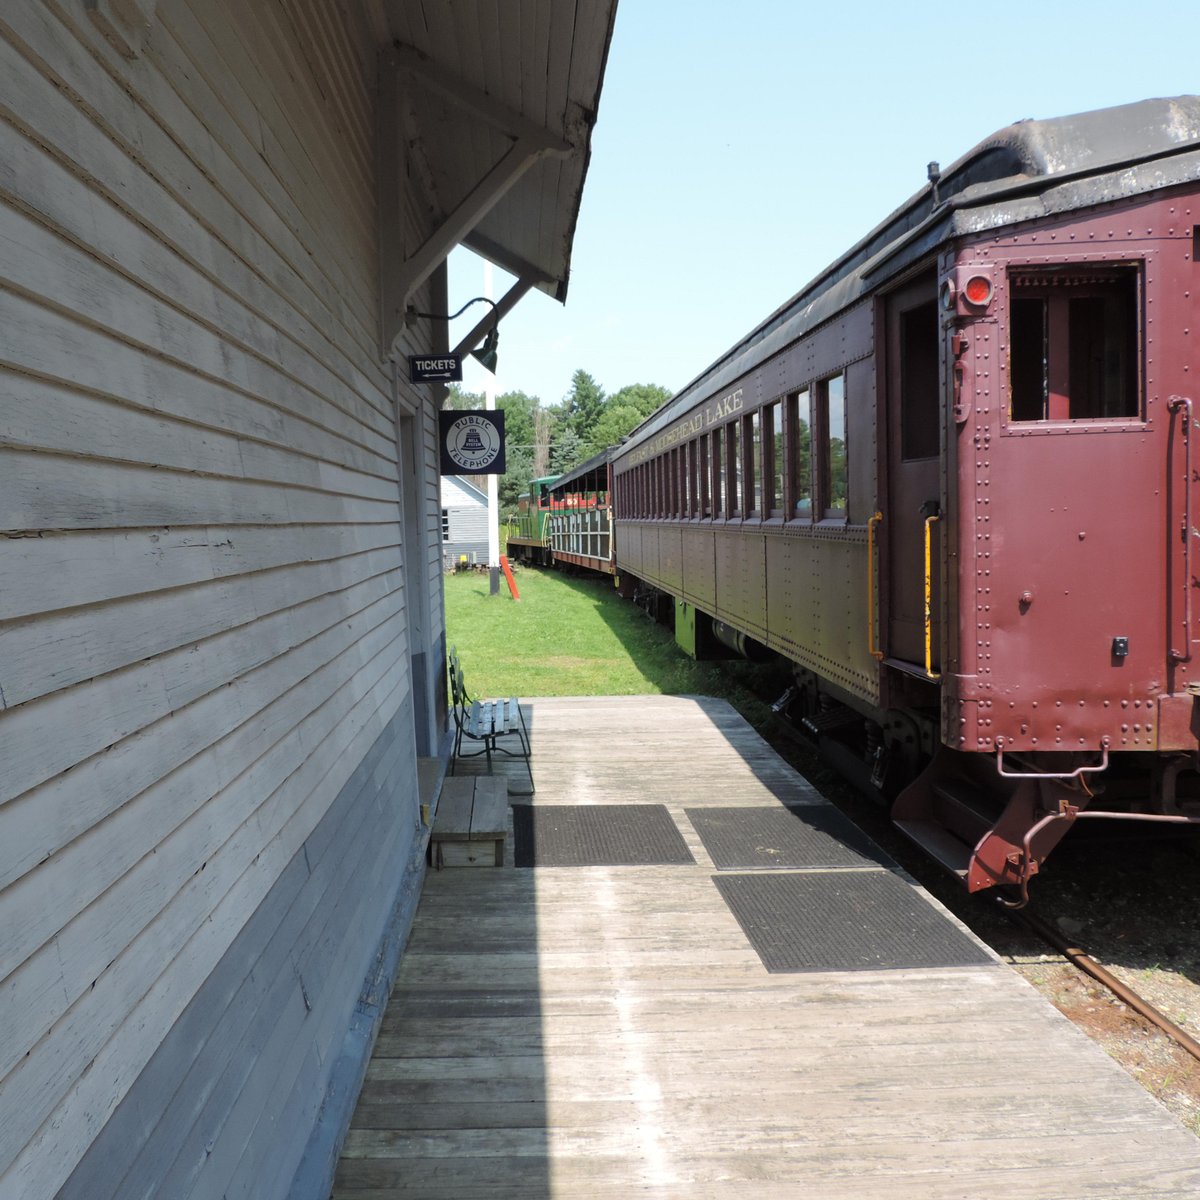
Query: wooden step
964	808
940	844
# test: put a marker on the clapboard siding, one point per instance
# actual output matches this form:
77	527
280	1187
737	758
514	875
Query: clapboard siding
64	648
179	933
257	995
42	343
52	570
466	520
206	714
166	183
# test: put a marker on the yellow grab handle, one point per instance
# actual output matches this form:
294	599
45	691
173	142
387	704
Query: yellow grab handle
929	598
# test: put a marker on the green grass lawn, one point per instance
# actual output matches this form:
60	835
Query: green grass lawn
574	636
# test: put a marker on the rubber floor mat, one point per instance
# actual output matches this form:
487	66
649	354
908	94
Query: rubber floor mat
844	921
597	835
808	835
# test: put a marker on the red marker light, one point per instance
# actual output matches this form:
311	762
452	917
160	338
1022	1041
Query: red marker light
978	290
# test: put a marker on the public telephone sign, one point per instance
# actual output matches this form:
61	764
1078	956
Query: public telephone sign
472	441
435	368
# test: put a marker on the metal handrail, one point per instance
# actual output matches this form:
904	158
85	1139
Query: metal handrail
929	671
1174	403
1090	769
872	608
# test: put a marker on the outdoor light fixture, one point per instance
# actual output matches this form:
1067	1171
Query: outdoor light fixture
486	354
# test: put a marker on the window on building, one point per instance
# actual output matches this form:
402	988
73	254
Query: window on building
1073	344
445	524
799	453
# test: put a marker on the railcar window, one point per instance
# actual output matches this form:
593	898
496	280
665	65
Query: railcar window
800	453
733	468
754	480
832	397
1073	344
772	460
718	472
676	483
919	407
702	463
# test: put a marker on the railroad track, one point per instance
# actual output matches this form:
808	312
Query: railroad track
1122	991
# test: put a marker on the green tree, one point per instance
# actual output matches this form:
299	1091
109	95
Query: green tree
582	405
566	451
645	397
624	411
459	399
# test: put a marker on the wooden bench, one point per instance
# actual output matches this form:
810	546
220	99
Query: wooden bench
494	723
471	823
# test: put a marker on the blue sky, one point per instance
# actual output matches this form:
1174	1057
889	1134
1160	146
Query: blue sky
743	144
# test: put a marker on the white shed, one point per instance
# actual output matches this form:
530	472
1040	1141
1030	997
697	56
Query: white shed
221	633
464	521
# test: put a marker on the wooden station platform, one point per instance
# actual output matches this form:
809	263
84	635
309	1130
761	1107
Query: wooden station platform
609	1031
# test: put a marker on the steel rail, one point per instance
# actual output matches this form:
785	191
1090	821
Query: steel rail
1091	967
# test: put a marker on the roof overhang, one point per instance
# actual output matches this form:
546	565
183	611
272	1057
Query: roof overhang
486	114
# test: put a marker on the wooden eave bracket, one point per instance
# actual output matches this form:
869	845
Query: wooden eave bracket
402	68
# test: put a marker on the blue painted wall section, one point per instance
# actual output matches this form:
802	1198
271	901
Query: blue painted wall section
251	1091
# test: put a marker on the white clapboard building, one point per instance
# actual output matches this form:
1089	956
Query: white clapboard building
221	634
464	521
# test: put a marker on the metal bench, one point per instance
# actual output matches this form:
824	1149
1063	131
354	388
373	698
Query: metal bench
494	723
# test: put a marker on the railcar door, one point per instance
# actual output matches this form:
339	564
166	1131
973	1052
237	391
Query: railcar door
913	474
1080	504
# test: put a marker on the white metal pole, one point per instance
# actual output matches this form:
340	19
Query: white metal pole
493	495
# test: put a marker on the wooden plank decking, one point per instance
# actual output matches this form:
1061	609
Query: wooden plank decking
608	1031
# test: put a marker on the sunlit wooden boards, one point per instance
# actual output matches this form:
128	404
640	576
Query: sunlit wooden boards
604	1032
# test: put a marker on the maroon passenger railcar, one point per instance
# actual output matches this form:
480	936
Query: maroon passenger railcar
955	482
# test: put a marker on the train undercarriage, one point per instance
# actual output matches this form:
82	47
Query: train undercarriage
989	819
